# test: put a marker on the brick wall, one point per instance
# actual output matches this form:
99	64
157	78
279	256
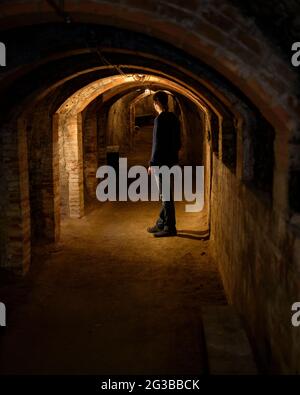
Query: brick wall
258	257
15	218
193	132
42	140
90	151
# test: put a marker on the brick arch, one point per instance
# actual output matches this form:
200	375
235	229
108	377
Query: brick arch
247	60
47	89
212	92
82	98
201	30
68	123
47	92
218	35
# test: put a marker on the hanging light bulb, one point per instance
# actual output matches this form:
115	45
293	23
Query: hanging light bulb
139	77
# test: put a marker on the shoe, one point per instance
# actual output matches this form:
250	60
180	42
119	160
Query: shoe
166	233
154	229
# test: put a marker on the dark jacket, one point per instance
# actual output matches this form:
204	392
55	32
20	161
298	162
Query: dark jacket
166	140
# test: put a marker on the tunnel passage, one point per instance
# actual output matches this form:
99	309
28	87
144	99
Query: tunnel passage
61	99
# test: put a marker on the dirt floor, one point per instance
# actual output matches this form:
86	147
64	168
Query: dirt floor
111	298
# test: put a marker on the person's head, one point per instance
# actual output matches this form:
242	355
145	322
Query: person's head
160	101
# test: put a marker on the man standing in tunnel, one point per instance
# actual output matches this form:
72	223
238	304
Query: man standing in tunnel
166	144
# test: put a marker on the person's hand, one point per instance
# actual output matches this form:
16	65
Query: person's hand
149	170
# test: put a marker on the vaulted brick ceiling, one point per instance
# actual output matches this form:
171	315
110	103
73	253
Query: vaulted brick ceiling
279	20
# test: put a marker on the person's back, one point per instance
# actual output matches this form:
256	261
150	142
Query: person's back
166	140
165	147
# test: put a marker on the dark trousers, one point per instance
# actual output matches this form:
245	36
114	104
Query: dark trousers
166	219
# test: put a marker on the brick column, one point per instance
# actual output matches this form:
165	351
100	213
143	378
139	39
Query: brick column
281	169
16	231
72	161
90	152
101	136
132	124
54	231
42	135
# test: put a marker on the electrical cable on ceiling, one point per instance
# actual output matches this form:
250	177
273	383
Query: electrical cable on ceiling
60	11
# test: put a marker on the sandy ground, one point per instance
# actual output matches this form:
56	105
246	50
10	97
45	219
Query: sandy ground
111	298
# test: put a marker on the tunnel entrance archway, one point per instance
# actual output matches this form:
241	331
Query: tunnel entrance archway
217	98
69	122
